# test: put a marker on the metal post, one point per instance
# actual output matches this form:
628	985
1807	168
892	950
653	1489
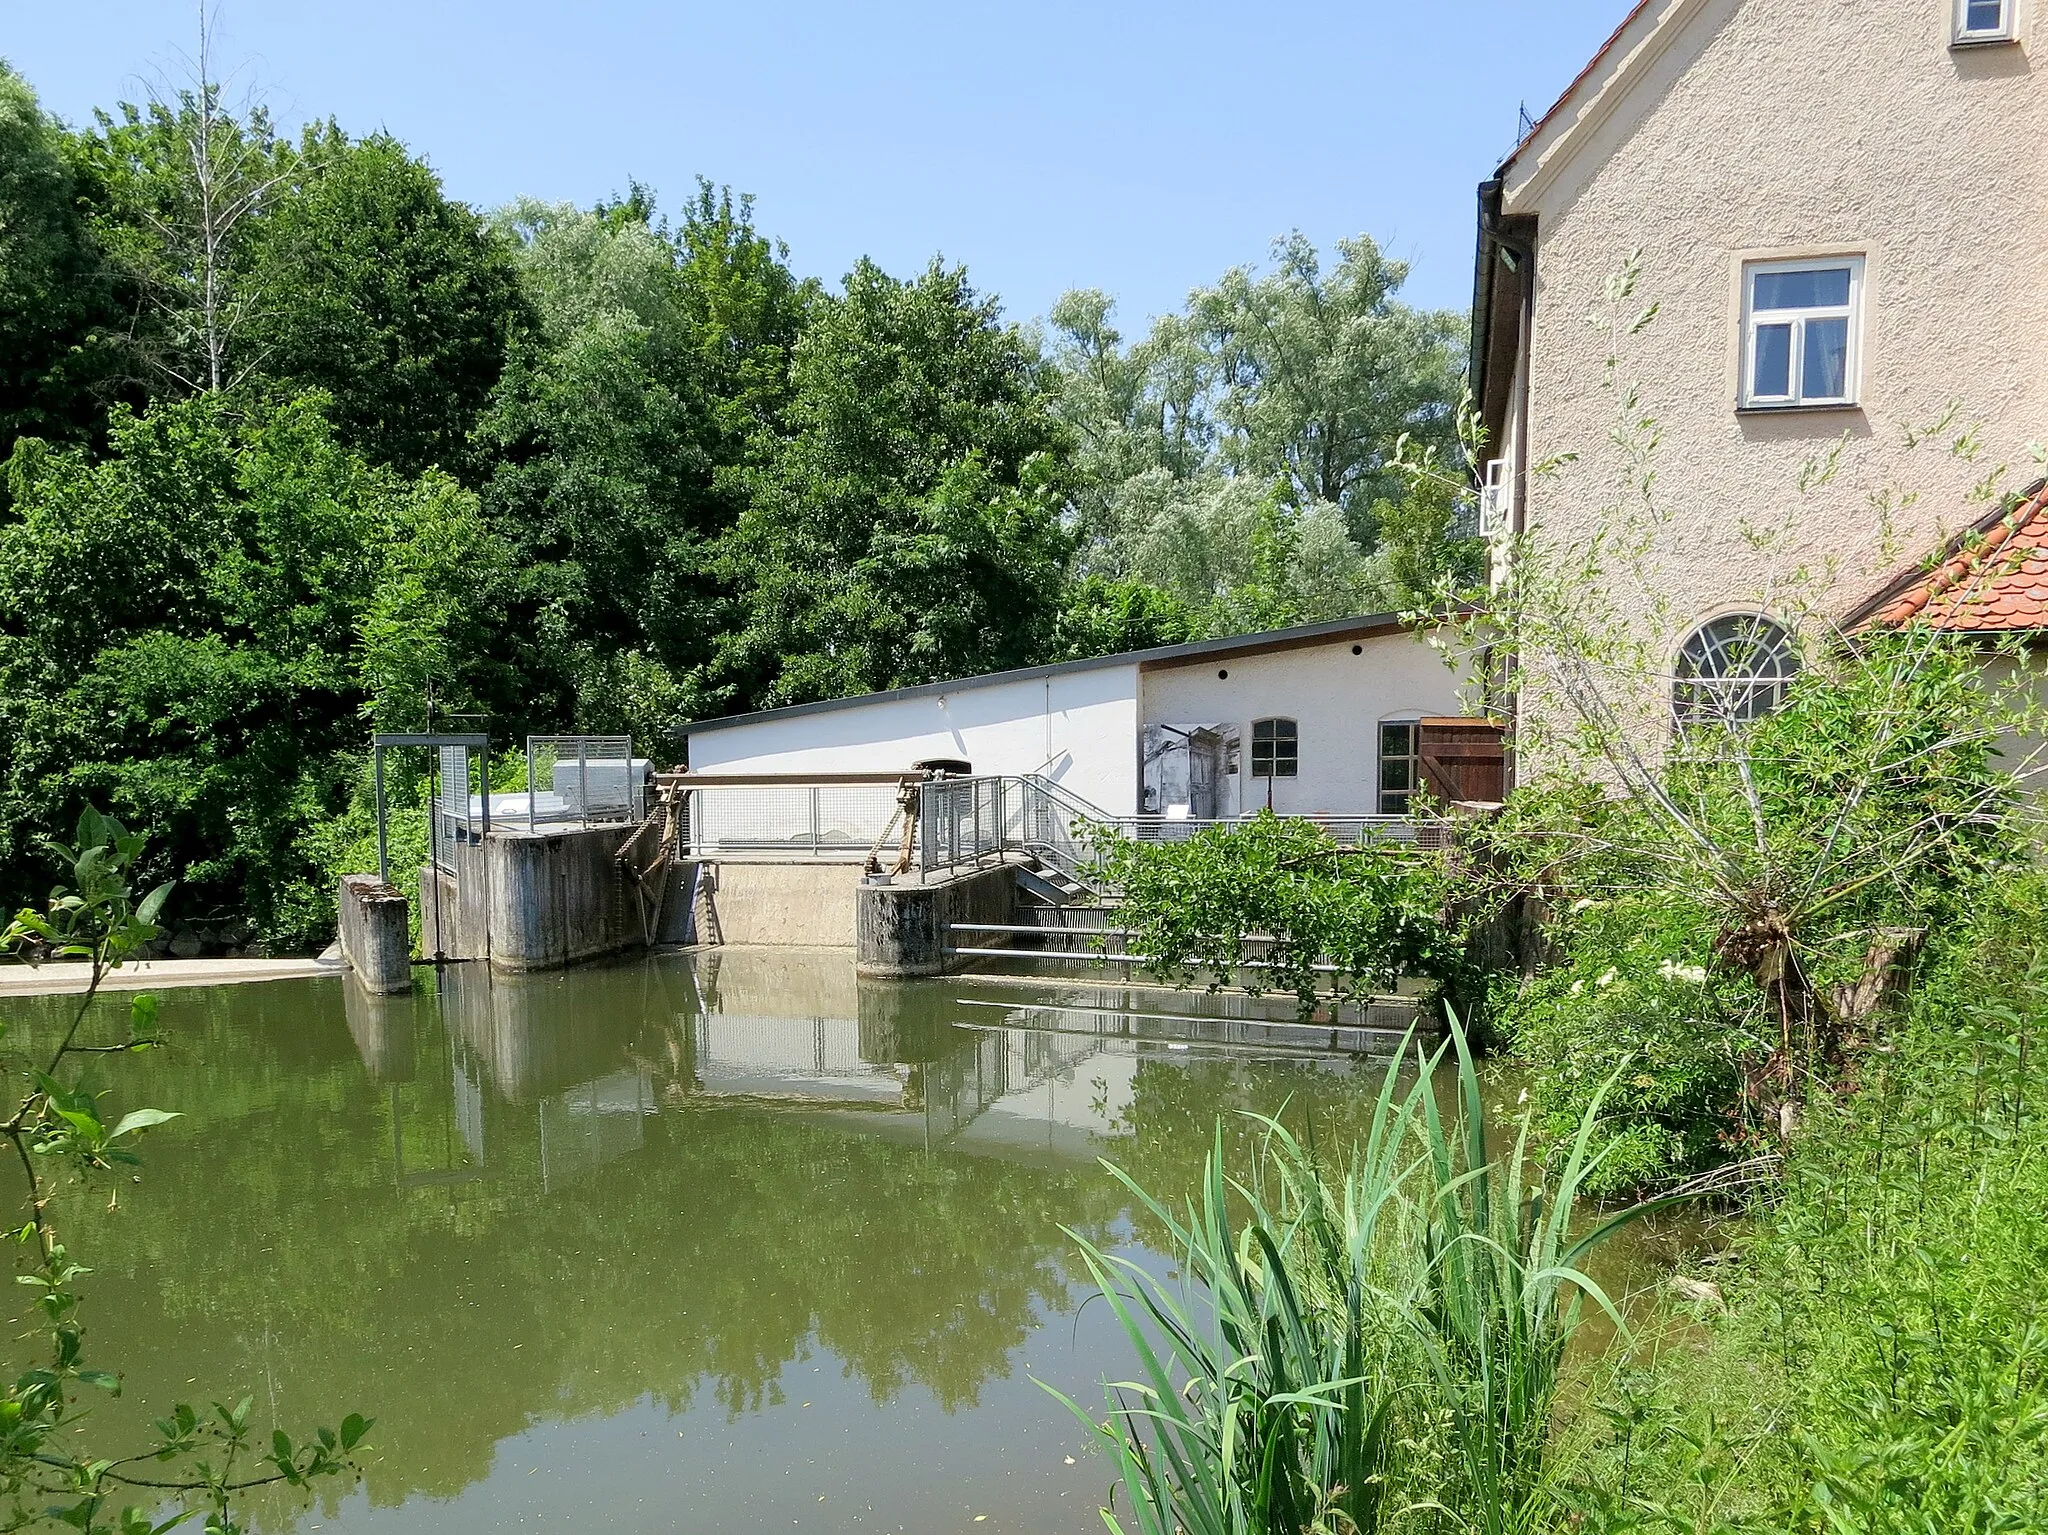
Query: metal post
814	820
487	795
583	776
529	786
383	850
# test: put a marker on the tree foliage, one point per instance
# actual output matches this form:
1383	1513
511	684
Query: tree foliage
371	285
59	309
1245	454
192	627
658	372
908	526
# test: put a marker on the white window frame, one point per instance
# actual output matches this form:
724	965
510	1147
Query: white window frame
2004	32
1497	499
1384	796
1752	321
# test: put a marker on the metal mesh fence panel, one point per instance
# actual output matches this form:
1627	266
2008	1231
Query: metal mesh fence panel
583	781
828	821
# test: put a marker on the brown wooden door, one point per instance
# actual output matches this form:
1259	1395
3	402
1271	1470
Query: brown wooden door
1464	759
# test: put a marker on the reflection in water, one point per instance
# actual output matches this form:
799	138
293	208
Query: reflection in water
687	1242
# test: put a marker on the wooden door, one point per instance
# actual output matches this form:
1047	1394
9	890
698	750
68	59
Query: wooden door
1464	759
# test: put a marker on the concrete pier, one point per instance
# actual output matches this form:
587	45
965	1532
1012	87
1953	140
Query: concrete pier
904	927
375	938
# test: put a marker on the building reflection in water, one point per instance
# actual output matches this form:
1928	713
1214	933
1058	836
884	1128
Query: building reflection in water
557	1074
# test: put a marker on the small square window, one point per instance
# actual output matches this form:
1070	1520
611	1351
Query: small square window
1984	21
1801	330
1276	749
1400	765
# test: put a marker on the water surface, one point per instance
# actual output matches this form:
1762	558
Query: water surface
724	1242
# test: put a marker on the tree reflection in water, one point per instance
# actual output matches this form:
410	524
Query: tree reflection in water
543	1199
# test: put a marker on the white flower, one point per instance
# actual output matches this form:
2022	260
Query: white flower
1606	980
1671	970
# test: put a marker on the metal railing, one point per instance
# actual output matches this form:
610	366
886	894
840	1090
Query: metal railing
582	781
968	820
833	818
959	822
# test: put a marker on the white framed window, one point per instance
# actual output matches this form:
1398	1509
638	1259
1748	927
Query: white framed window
1984	21
1802	331
1400	764
1732	670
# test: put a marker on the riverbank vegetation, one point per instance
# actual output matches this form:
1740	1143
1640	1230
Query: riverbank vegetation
197	1461
298	446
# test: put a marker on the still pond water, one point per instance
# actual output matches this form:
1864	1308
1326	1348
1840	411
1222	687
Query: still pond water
714	1243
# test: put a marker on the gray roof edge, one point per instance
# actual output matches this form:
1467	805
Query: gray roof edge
1193	650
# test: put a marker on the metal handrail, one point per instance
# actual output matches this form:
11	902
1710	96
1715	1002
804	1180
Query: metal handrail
967	820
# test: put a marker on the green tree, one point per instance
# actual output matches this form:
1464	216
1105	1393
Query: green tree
195	626
394	299
657	363
175	191
908	527
1102	617
1322	374
1244	455
59	313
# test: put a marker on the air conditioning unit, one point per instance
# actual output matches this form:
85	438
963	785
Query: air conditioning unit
1497	499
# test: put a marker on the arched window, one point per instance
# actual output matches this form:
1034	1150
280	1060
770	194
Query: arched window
1276	750
1732	670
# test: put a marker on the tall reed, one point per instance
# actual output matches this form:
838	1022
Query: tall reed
1354	1349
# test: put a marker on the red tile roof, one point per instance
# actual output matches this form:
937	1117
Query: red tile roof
1994	580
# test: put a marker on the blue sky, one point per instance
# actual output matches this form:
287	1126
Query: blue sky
1141	148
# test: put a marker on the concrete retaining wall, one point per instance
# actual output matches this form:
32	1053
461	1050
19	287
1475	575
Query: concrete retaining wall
541	902
799	905
559	897
904	931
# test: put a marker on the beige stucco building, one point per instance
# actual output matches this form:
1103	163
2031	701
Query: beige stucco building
1836	211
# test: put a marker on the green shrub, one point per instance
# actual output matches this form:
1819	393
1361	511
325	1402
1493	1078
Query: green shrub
1882	1364
1638	1002
1282	892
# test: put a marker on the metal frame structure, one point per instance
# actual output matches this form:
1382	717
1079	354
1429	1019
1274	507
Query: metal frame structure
380	741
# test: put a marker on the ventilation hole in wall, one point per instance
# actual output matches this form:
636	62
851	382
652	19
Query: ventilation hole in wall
1358	650
1224	673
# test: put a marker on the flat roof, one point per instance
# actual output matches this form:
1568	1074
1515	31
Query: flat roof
1198	650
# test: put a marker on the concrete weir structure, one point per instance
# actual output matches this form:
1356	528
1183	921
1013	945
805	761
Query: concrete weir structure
544	900
904	930
539	900
374	940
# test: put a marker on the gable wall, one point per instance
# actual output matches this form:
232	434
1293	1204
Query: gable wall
1783	128
1078	728
1336	700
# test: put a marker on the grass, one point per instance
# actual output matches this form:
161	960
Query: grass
1880	1363
1362	1349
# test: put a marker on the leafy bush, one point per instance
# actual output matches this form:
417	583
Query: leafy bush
1730	933
1882	1364
1282	893
1637	1002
